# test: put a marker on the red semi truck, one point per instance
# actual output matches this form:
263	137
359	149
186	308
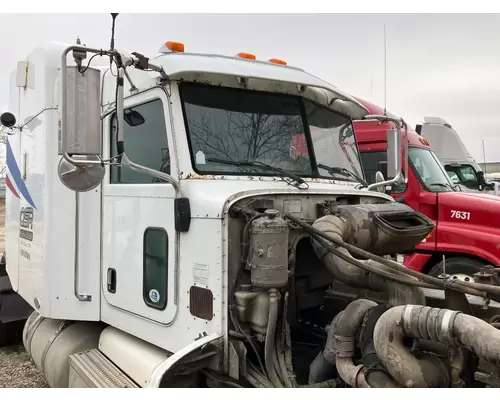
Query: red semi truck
467	233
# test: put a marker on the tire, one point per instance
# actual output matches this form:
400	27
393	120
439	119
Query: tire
460	265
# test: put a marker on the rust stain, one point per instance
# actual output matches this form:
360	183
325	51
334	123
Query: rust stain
194	176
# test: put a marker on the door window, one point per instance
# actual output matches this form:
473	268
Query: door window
145	140
155	268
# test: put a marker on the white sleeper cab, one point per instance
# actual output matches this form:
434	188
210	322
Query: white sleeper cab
167	231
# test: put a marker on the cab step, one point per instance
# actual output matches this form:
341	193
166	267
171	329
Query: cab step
92	369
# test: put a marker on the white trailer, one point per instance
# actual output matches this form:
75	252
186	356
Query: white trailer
167	234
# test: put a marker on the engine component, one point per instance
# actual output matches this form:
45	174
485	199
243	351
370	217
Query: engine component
381	229
323	367
344	342
269	251
253	308
443	326
269	357
377	228
375	374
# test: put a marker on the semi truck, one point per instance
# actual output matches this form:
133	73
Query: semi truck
169	236
451	151
464	239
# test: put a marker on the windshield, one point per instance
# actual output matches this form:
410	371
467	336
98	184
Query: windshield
429	170
333	139
245	127
463	174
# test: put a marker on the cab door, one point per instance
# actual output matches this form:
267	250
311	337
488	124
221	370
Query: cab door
138	232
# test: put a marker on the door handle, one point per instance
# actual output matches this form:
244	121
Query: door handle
111	281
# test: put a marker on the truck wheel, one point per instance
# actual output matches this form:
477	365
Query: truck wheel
462	268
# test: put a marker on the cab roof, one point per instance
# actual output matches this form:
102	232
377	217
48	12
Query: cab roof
240	72
370	131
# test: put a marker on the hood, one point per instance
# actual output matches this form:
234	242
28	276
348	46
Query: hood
476	208
209	197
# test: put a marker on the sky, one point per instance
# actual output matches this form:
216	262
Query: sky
444	65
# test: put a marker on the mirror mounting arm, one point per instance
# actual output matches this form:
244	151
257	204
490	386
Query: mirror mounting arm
400	177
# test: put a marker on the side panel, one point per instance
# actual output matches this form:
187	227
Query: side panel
200	265
79	271
12	212
45	231
479	241
12	198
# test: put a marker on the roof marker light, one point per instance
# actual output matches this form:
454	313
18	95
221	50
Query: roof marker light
175	46
248	56
277	61
172	47
424	141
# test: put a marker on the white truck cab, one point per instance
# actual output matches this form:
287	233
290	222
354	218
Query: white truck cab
167	234
461	167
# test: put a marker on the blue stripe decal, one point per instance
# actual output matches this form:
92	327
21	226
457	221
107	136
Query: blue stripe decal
16	175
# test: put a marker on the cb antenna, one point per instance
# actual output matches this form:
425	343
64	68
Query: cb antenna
385	71
112	45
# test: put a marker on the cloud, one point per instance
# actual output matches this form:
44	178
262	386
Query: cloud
437	64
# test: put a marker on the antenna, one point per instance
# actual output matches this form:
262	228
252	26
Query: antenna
385	70
484	157
112	45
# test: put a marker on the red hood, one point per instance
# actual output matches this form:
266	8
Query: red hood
483	209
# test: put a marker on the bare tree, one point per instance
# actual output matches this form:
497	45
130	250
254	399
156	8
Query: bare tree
243	136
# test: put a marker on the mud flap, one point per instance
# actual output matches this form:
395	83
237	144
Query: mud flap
12	306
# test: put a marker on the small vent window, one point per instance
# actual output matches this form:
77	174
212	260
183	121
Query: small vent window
155	268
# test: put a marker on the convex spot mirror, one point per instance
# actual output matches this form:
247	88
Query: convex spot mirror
379	177
8	119
133	118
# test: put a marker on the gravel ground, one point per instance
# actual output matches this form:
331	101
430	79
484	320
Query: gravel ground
17	370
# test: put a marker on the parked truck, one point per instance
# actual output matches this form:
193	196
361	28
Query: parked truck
170	236
451	151
465	239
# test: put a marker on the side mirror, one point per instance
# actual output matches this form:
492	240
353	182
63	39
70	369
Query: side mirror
382	168
81	112
8	119
393	166
482	181
81	168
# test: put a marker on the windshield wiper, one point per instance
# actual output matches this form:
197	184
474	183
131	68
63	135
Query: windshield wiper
442	185
344	172
281	172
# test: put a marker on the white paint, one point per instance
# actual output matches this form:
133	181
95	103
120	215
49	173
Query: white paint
48	275
114	216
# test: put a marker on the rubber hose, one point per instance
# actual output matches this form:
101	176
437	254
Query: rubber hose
418	322
375	374
344	346
269	344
